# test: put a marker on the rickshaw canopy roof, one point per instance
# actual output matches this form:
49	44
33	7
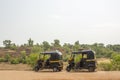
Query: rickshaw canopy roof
52	52
82	52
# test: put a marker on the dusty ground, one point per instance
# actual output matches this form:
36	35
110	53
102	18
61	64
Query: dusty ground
7	66
23	72
48	75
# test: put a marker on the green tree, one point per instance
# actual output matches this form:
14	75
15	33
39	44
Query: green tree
30	42
7	43
67	48
56	43
76	46
46	45
100	44
13	46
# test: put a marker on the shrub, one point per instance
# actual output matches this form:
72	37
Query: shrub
66	57
14	61
7	57
116	62
2	59
113	65
22	58
24	61
105	66
32	58
37	49
23	54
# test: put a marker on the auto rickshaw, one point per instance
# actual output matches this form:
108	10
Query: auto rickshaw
85	60
49	60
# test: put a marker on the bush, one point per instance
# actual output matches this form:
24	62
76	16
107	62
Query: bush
14	61
7	58
66	57
23	54
116	62
32	58
105	66
24	61
37	49
22	58
2	60
113	65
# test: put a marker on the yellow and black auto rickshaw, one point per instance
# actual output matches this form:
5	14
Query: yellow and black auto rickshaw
84	59
50	60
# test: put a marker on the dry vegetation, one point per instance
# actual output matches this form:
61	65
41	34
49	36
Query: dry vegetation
103	60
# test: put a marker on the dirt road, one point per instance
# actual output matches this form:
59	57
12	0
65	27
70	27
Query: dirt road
47	75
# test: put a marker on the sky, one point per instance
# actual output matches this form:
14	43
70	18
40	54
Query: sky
86	21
